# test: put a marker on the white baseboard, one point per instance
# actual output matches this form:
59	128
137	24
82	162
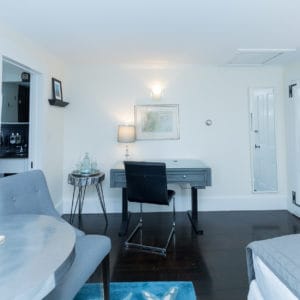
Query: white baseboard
249	202
205	203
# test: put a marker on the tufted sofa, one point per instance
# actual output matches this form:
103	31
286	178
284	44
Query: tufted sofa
27	193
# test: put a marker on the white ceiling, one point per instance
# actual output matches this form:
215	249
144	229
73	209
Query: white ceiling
156	31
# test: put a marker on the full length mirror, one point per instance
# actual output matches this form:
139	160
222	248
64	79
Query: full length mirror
263	143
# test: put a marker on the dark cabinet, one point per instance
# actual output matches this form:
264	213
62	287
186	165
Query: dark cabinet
15	105
23	103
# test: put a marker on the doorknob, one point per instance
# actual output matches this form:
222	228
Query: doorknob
256	146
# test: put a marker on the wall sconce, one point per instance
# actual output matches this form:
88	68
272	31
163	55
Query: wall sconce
126	134
156	91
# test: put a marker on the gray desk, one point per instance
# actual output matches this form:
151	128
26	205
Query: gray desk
37	252
181	171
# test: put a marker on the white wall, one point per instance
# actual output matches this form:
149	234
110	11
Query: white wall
291	75
103	96
49	123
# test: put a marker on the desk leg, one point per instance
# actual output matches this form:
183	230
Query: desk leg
125	214
193	215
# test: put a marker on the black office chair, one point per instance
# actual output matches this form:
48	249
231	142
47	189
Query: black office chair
146	182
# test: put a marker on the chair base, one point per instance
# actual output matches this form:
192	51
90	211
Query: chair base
146	248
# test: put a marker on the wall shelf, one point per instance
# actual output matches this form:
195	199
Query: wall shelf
58	102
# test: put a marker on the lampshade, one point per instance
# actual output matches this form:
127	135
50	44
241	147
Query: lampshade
126	133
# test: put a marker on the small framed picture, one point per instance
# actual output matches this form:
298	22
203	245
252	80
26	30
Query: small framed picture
57	89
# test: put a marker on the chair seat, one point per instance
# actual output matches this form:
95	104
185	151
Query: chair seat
171	194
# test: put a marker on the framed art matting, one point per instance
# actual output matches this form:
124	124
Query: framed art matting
157	122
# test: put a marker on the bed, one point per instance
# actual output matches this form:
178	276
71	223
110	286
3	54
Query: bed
274	268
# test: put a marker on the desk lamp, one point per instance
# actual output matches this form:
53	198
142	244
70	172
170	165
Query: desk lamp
126	134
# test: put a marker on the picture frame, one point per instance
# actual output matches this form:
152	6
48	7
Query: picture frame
157	122
57	89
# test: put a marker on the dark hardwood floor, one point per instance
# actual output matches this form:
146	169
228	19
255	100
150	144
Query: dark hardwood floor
215	262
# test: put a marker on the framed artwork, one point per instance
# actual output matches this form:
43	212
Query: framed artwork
57	89
157	122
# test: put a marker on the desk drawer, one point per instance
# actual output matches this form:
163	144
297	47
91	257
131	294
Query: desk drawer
117	178
199	178
120	177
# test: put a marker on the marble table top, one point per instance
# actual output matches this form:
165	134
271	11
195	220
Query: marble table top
36	253
78	179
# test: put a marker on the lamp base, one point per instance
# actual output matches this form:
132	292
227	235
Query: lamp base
126	152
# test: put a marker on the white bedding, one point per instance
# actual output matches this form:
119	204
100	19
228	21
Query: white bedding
267	285
254	293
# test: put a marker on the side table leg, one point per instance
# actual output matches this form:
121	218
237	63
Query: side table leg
193	215
77	202
101	199
71	213
81	201
125	214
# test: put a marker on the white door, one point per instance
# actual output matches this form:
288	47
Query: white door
263	144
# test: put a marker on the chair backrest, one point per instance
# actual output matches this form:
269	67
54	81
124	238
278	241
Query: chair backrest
146	182
26	193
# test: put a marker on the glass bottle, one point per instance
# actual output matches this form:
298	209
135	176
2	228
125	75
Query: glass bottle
12	139
94	165
18	138
86	164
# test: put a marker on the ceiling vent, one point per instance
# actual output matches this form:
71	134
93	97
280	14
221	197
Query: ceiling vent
256	57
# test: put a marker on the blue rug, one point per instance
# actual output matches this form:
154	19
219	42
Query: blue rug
156	290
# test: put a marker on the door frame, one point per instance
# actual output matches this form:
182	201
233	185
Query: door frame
291	131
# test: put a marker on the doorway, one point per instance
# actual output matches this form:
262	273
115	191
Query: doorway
262	140
17	117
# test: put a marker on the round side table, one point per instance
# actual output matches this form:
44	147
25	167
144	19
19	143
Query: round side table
31	263
81	181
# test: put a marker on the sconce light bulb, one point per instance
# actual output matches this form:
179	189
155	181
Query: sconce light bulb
157	91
